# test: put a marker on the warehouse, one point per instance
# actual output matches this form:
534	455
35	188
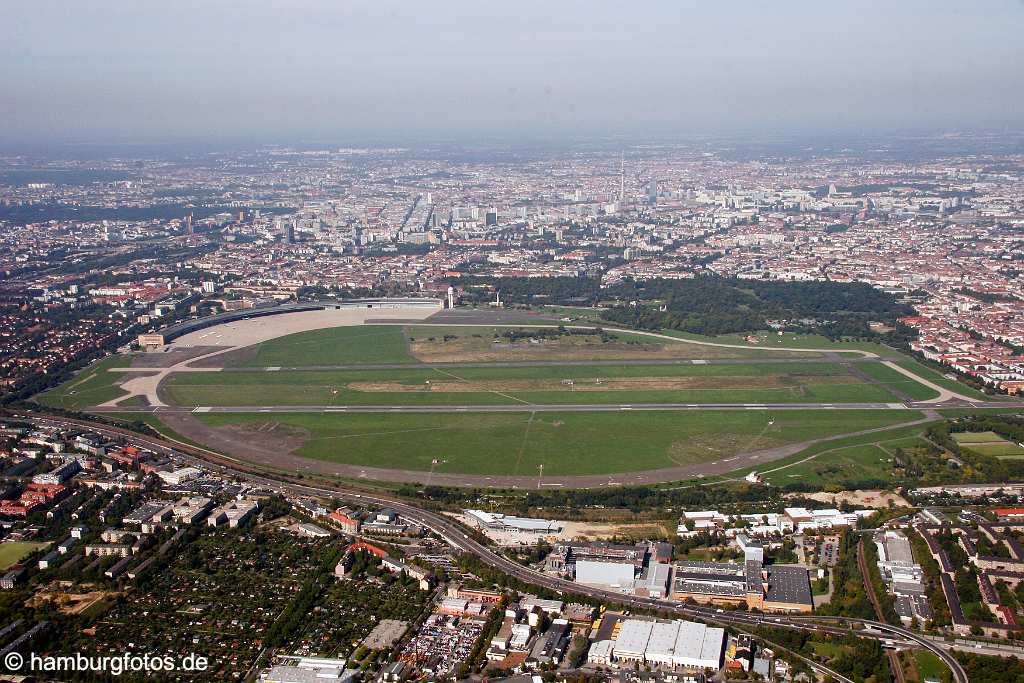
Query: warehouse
523	525
616	575
675	644
631	643
710	582
698	646
662	643
771	588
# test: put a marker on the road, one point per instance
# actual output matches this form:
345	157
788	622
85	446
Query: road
456	537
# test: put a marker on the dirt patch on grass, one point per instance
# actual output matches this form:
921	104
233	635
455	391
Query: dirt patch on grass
71	603
697	448
260	441
279	436
576	347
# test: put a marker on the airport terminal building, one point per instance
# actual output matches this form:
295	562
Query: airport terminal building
171	332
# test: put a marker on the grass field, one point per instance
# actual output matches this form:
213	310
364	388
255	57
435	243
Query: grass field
929	667
989	443
13	552
896	381
441	344
867	461
974	438
359	345
940	379
546	385
94	385
565	443
858	457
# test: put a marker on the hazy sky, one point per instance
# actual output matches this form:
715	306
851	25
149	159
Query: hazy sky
219	69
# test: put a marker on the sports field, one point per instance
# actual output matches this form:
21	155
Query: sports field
565	443
12	552
989	443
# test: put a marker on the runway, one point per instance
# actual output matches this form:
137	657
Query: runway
527	364
558	408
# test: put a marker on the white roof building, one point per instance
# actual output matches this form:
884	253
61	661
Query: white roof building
601	652
310	670
178	476
609	574
802	518
678	644
662	643
698	646
527	525
631	643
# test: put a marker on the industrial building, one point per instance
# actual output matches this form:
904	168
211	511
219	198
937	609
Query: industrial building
615	575
674	644
903	575
753	584
524	525
310	670
235	513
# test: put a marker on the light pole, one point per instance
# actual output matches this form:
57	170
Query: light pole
433	463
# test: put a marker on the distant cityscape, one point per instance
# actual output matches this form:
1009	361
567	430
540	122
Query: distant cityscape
237	230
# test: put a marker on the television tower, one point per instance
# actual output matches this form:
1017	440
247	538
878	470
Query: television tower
622	178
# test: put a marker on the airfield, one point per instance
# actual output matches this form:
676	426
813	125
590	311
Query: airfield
503	398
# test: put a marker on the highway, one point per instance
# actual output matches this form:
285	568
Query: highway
456	537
